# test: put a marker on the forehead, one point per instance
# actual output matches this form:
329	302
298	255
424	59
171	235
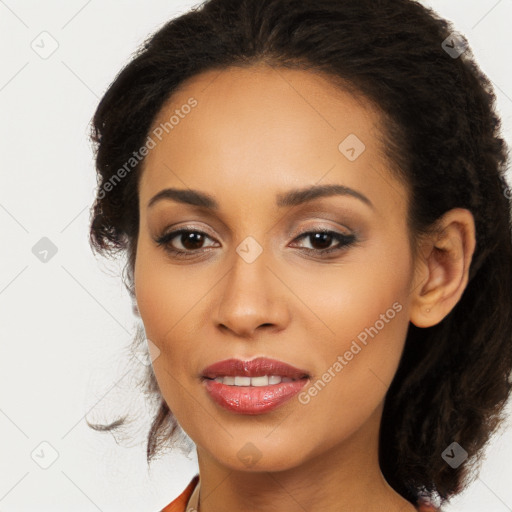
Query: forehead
256	129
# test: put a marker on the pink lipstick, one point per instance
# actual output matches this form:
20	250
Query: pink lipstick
252	387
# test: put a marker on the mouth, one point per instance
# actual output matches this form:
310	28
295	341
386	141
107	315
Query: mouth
252	387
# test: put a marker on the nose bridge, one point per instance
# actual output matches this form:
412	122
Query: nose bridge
248	279
249	296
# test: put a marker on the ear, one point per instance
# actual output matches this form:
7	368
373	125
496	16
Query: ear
442	268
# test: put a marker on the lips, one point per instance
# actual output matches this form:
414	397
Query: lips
242	387
255	368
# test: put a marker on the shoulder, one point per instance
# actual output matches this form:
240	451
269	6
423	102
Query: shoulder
179	504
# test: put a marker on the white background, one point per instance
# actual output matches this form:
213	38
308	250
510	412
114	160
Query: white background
66	324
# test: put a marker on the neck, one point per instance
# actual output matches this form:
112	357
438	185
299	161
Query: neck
343	478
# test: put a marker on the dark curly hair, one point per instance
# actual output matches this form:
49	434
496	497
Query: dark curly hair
443	139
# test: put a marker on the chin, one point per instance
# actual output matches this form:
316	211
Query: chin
258	456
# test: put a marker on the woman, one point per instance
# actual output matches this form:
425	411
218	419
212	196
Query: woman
311	198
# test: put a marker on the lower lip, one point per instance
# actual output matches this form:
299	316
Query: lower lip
253	399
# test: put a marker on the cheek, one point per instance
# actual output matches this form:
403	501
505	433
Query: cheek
165	293
163	304
160	309
339	300
152	295
363	313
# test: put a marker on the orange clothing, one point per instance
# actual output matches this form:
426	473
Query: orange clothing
180	503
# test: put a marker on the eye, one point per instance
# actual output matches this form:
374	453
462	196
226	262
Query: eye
322	239
191	240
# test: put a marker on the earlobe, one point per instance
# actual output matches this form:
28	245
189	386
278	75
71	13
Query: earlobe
443	269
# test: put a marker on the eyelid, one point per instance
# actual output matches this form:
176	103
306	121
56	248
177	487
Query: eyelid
317	226
178	227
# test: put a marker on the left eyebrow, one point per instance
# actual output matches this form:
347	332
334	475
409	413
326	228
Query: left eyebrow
302	195
292	197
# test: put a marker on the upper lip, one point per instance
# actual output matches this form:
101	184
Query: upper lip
253	368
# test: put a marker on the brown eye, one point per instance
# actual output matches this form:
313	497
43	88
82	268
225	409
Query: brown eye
192	240
189	241
321	241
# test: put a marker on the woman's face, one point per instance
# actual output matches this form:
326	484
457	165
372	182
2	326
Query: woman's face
250	285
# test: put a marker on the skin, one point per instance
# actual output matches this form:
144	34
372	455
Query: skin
255	133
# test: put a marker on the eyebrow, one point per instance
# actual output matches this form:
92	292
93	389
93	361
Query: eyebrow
293	197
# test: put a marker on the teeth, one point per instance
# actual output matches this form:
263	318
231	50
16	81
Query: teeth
242	381
264	380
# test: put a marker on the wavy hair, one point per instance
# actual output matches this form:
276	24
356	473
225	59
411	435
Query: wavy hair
443	139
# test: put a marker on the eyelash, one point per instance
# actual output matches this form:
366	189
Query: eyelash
345	241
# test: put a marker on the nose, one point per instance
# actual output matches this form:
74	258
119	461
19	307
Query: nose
251	297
